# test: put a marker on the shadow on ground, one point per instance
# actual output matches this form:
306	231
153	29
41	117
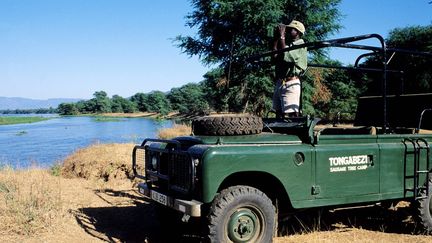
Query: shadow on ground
131	218
135	221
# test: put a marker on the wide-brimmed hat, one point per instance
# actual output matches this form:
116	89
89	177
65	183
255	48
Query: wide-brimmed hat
297	25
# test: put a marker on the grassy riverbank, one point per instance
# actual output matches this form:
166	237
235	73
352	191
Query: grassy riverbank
91	197
8	120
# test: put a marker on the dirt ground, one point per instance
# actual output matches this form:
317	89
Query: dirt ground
115	212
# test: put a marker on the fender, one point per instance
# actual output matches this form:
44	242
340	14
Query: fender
280	160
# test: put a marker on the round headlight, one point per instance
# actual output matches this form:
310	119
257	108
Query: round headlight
154	162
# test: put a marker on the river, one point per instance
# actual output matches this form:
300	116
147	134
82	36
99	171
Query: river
47	142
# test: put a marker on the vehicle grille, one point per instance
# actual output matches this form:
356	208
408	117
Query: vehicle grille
181	172
175	172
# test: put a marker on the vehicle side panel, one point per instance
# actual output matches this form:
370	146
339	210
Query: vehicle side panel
314	183
347	165
392	167
397	168
278	160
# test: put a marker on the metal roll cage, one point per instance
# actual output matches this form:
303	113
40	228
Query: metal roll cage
346	43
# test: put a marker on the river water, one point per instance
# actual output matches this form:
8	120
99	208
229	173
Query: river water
47	142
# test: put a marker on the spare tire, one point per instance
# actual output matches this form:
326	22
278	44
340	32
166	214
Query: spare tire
227	125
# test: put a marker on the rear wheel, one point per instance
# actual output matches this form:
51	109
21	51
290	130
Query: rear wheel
242	214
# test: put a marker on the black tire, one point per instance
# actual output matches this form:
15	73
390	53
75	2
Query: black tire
242	214
423	210
227	125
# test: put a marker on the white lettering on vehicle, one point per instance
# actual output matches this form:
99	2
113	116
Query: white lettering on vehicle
349	163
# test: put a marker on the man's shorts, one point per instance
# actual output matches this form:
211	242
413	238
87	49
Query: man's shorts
286	96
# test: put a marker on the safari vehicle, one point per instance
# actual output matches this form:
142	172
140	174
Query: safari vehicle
243	173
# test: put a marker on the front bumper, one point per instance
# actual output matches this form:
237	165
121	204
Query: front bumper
192	208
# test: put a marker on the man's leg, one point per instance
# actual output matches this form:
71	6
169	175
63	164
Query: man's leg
277	101
291	98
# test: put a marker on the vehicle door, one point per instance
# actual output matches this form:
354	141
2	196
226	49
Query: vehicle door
346	165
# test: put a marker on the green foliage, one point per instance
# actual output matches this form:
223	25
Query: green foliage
84	107
155	101
227	28
307	104
417	75
229	31
344	95
67	109
106	119
55	169
158	102
189	99
30	111
101	102
215	90
8	120
120	105
330	92
258	88
140	101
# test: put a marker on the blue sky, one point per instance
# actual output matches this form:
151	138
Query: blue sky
72	48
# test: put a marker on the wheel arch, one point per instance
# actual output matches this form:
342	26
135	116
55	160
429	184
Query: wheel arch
263	181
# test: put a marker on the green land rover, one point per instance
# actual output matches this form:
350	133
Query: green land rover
243	173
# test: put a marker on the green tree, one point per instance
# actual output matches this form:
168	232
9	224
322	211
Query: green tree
129	106
116	104
67	109
229	31
417	70
120	104
158	102
102	102
215	90
189	98
338	94
417	74
140	101
86	106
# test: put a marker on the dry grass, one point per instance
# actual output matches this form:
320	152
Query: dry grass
371	223
30	201
104	162
176	131
349	235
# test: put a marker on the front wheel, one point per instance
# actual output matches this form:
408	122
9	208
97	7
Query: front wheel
242	214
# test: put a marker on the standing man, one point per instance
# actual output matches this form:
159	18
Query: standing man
288	68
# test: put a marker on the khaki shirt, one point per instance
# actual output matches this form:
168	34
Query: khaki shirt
294	62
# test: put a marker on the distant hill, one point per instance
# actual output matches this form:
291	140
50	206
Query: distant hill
12	103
